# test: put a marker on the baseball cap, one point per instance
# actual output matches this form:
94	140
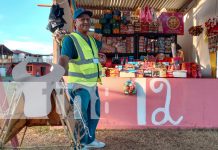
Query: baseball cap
78	12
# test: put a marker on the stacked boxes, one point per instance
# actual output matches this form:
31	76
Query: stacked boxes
125	44
141	43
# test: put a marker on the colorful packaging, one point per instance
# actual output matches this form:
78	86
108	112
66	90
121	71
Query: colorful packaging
172	22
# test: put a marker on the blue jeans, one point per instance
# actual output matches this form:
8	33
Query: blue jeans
87	109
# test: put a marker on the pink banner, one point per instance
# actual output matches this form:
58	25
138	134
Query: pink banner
159	103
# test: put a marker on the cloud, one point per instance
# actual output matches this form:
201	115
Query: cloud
31	47
24	37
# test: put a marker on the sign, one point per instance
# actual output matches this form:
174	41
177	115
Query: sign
159	103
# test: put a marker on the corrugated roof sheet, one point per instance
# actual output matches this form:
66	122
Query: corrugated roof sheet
98	5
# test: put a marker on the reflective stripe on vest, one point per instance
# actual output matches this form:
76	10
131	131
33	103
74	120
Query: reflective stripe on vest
80	75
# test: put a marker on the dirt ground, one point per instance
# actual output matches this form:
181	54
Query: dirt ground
149	139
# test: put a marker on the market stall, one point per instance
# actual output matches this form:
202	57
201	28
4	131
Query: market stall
150	82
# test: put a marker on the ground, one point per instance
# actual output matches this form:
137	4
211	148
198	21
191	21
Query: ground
148	139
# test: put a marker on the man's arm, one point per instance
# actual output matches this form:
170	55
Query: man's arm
63	61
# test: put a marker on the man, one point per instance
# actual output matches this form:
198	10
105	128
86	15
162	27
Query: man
79	57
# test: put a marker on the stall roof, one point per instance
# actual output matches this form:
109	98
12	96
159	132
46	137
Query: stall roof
99	5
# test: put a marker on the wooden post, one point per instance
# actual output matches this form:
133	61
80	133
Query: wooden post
68	26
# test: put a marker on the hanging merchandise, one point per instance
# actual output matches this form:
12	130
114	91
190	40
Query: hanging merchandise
172	22
102	20
107	29
117	15
98	28
196	30
126	17
212	26
213	43
108	14
146	15
56	20
153	27
116	28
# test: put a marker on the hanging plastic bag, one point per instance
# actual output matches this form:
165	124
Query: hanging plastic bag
145	15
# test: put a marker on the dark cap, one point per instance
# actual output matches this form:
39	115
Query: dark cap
78	12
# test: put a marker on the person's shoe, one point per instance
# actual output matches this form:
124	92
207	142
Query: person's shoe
95	144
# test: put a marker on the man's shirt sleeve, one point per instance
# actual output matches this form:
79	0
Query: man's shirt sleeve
68	48
99	44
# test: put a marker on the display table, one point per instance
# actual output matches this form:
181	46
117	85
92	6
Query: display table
159	103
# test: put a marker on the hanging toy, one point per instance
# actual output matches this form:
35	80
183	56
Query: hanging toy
129	87
196	30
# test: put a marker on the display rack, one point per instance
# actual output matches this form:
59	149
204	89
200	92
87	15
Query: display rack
136	36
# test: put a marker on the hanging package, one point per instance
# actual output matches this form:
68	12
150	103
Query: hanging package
56	20
146	15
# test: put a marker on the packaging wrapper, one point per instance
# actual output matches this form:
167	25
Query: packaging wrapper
163	73
147	73
156	73
180	74
112	72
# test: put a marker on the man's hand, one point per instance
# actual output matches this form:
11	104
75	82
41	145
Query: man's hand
98	36
63	61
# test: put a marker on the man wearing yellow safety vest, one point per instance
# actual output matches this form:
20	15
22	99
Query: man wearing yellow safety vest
79	57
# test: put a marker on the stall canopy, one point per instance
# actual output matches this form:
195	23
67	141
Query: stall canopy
99	5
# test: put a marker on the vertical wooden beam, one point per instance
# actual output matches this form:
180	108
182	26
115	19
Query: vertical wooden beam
68	26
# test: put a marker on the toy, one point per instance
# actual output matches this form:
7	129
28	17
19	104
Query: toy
129	87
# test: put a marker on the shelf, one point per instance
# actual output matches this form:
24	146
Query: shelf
145	53
156	34
140	34
118	35
120	54
136	37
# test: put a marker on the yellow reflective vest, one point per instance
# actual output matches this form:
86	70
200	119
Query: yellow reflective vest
86	69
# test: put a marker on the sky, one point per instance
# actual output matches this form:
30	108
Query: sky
23	26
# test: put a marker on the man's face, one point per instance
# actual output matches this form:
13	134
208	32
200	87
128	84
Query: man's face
83	23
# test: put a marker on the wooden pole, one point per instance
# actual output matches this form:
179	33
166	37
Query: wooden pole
68	26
